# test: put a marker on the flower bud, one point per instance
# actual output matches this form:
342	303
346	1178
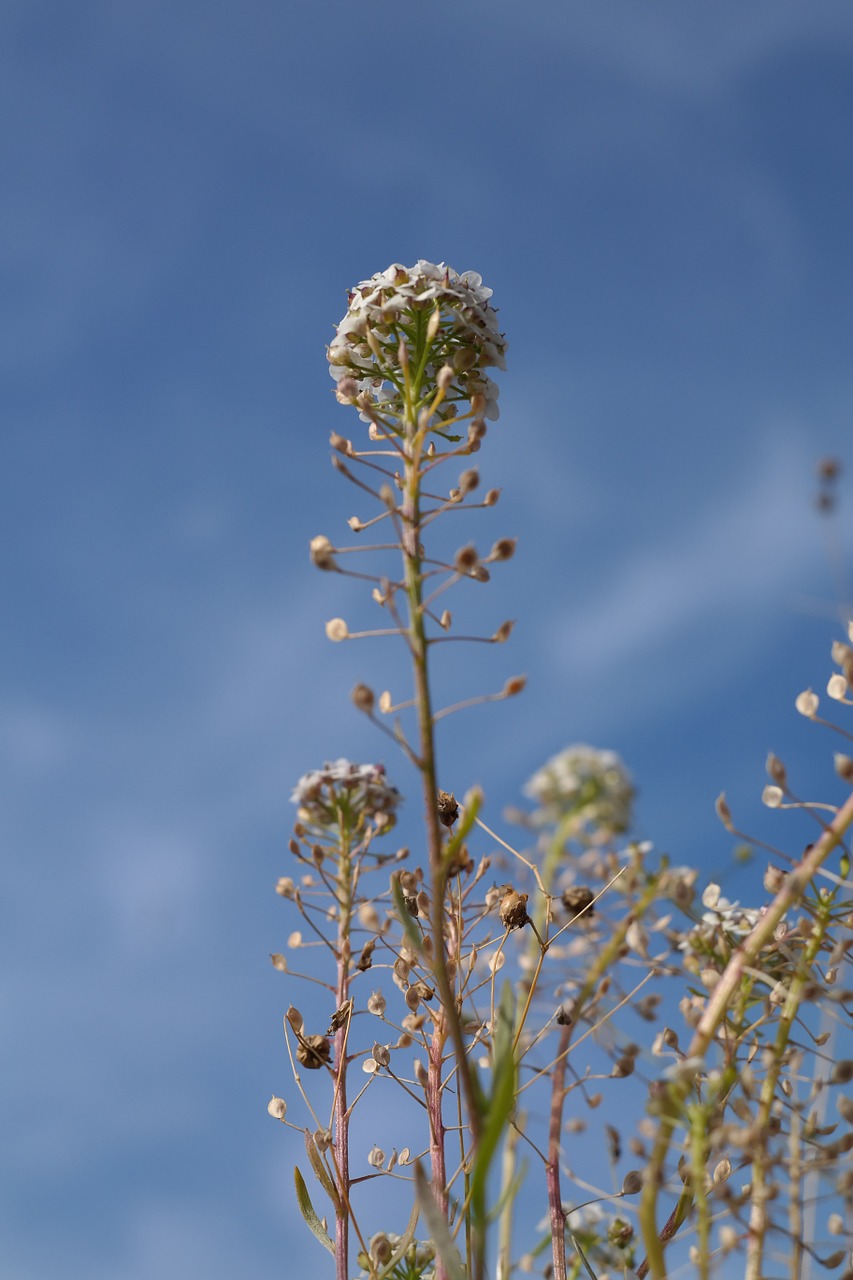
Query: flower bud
321	551
336	630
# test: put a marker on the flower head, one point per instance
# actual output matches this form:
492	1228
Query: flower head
443	319
342	791
587	783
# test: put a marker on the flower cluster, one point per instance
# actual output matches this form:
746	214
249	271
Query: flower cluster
586	783
417	1262
342	791
724	925
446	322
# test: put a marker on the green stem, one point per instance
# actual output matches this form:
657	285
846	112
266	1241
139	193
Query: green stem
449	1019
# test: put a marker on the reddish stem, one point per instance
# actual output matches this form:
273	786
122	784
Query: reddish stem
552	1169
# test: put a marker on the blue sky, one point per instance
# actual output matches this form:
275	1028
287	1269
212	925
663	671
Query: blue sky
660	197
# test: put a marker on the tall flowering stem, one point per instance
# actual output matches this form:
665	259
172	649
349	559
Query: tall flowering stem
411	355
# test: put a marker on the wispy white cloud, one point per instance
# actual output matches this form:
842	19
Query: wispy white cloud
743	550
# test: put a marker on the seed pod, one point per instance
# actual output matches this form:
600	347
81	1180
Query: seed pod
513	909
448	809
579	899
314	1052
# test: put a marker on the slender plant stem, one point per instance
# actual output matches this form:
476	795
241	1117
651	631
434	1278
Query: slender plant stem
448	1020
341	1115
552	1171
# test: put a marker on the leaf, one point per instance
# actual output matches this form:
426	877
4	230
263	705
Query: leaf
410	929
309	1213
582	1257
438	1229
500	1103
321	1171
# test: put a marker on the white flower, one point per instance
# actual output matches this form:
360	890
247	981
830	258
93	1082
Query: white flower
341	789
391	306
582	780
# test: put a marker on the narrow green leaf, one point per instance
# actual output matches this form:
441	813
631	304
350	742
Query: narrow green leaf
321	1172
410	929
309	1213
501	1103
582	1256
438	1228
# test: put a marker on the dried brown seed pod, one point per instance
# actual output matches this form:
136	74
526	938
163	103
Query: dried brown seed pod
580	898
448	809
513	909
314	1052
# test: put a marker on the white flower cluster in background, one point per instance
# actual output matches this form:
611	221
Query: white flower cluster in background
356	792
398	304
585	782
